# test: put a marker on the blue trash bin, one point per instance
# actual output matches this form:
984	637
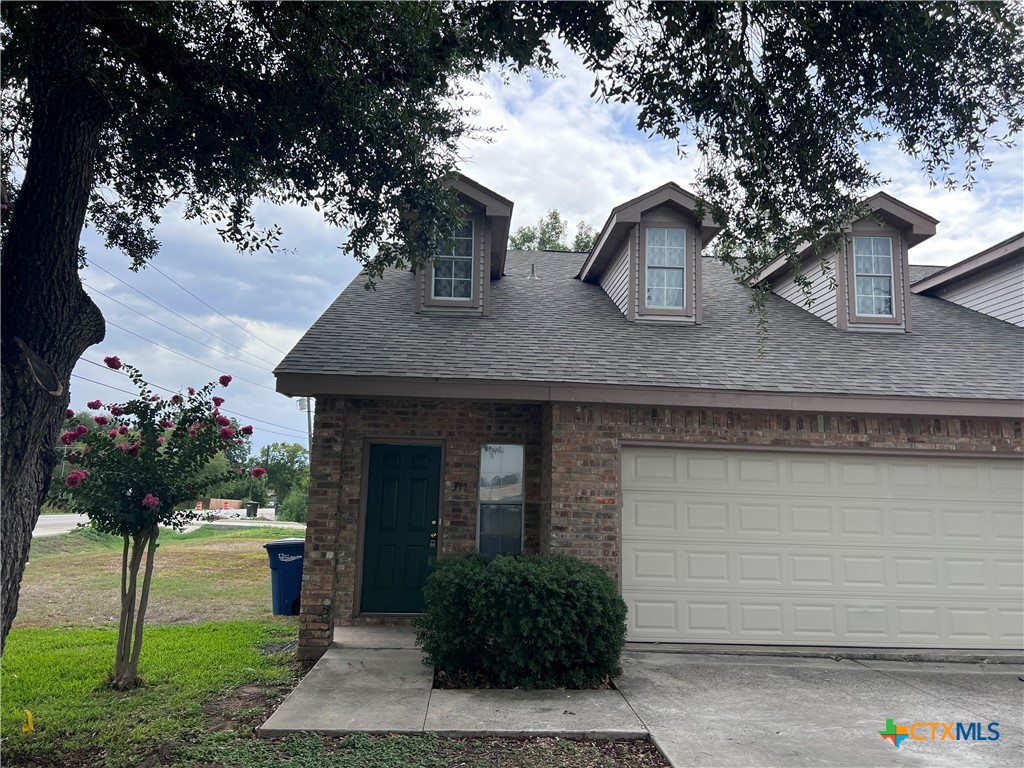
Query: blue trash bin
285	574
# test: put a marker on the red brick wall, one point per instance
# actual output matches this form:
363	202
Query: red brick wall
316	615
461	427
585	441
572	472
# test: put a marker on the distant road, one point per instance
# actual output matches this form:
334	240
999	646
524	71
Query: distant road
51	525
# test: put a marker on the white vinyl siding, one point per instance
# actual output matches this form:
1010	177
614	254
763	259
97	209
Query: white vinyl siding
998	292
794	548
615	281
823	290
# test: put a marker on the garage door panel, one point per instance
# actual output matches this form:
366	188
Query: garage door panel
858	622
742	546
847	568
701	514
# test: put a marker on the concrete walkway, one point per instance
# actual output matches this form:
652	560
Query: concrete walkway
699	709
373	680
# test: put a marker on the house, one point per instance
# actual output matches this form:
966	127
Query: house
858	484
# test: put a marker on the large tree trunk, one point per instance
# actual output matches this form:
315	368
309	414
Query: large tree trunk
45	312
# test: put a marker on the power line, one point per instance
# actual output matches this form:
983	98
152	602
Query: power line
186	290
135	394
173	391
182	354
184	336
92	263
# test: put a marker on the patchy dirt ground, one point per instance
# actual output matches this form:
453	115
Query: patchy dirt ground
231	576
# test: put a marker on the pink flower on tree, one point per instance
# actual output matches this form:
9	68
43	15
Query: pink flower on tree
69	413
122	430
151	501
116	410
223	421
68	438
112	434
167	424
218	401
161	440
224	380
81	429
113	362
75	478
155	399
246	430
258	472
191	390
102	421
226	433
95	404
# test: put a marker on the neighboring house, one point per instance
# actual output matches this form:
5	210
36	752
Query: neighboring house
858	484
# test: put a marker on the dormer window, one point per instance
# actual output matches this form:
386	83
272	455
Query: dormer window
873	276
665	277
453	268
648	256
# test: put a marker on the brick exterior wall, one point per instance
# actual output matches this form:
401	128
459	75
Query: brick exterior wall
572	472
585	442
336	489
316	614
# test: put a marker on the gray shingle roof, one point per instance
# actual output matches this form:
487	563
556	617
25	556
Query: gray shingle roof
558	329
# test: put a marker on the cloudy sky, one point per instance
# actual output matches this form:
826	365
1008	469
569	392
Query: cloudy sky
212	310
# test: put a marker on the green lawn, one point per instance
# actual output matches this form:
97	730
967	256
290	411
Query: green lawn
211	667
58	674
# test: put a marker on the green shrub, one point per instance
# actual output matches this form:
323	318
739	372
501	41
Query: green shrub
522	621
294	506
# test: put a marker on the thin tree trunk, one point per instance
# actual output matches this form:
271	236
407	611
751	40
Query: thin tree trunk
43	307
124	596
121	663
140	621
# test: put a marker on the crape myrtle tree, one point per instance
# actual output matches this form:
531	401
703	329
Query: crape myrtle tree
112	110
135	465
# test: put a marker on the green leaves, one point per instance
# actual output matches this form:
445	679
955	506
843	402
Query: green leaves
522	621
551	234
138	463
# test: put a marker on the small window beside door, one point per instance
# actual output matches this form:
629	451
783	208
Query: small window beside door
501	499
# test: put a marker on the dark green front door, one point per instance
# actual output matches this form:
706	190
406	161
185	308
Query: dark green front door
404	485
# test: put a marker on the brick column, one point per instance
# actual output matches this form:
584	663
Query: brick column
316	616
584	507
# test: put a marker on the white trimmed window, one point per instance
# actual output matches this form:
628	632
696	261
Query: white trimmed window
873	276
501	499
453	268
666	268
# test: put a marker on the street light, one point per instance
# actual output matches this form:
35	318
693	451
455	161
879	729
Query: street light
306	404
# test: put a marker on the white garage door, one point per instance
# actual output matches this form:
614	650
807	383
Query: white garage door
728	546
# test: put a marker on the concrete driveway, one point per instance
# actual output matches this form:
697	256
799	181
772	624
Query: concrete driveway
708	710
